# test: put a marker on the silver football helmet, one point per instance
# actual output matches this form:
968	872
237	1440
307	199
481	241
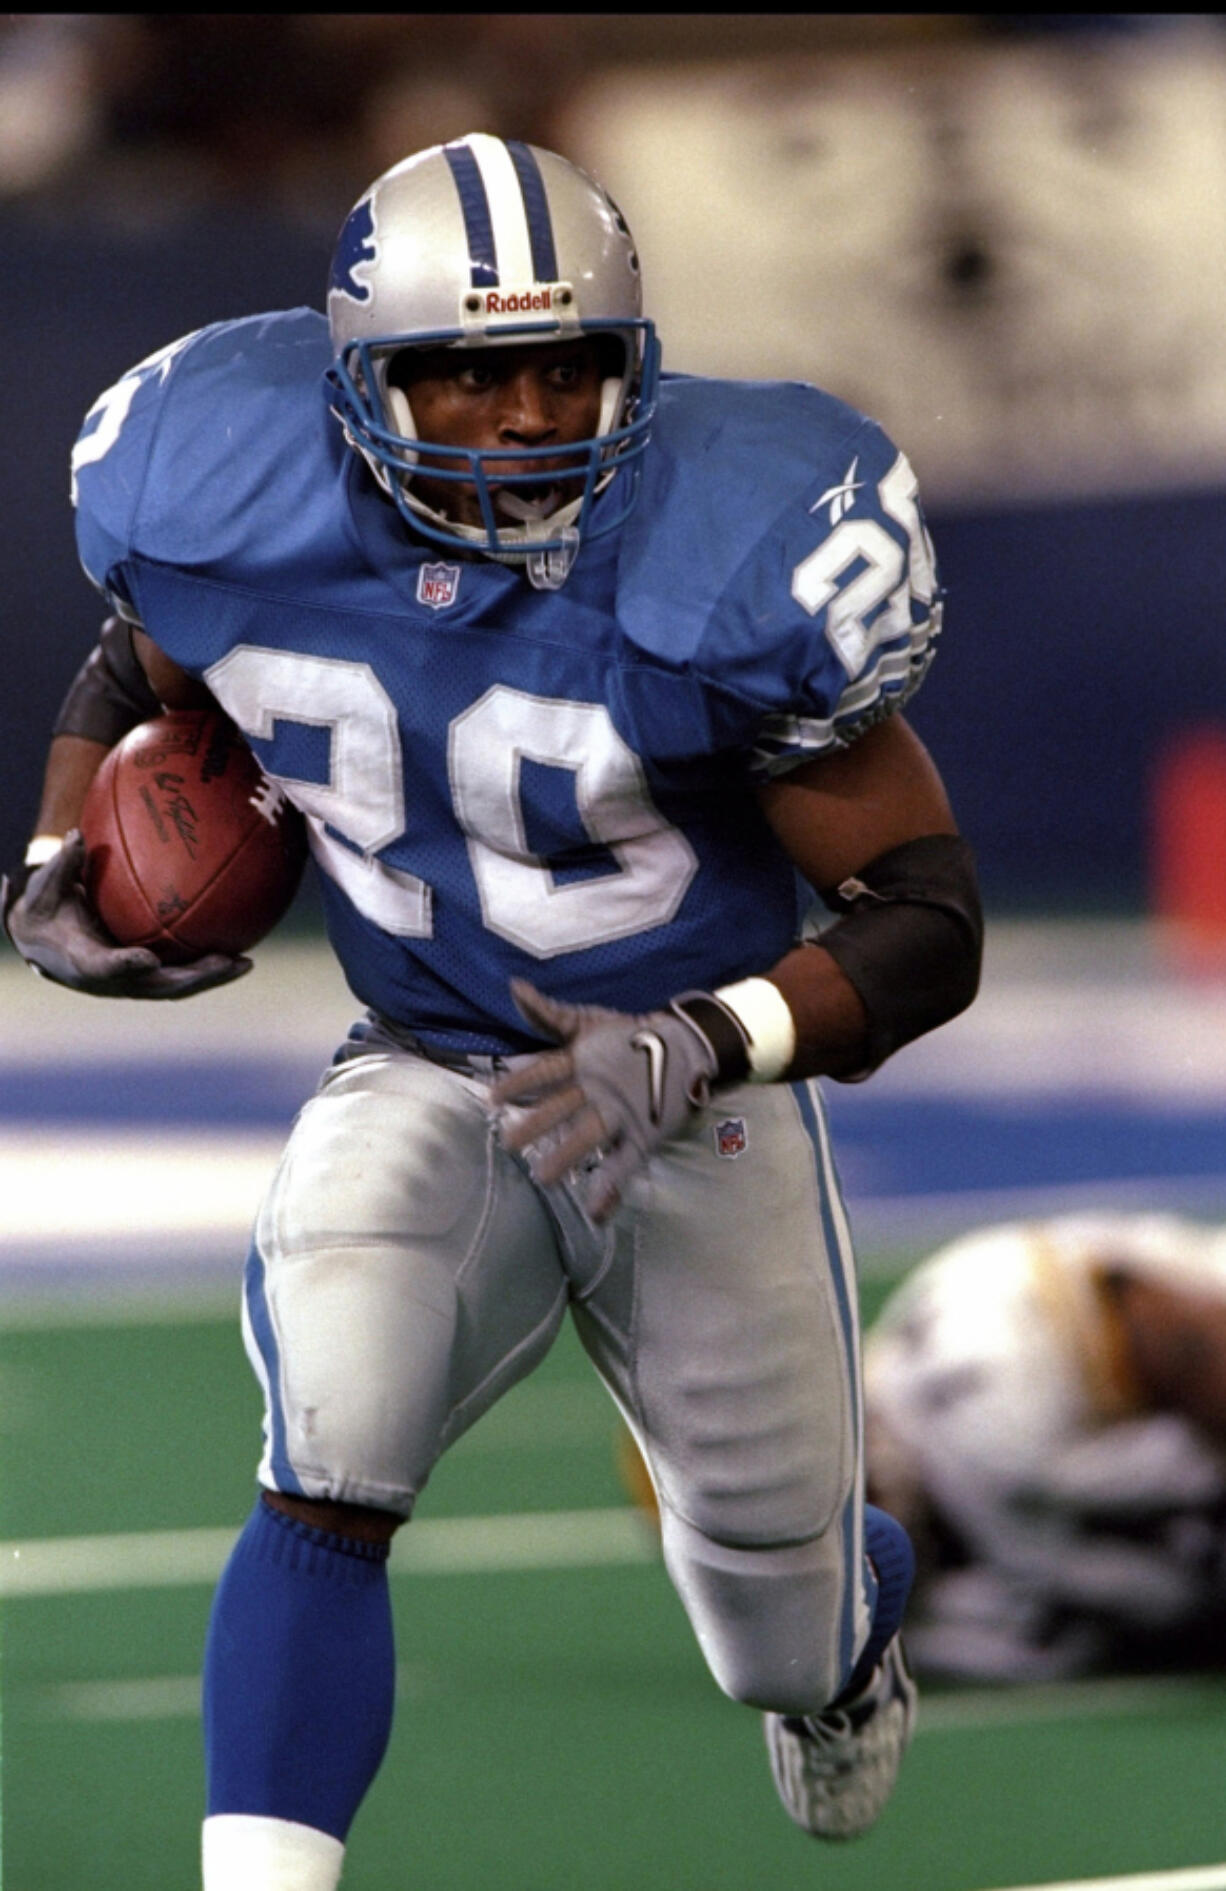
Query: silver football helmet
489	242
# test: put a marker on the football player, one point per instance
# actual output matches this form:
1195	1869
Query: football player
576	672
1046	1409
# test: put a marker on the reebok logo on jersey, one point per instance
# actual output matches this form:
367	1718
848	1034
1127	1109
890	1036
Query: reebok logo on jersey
843	496
437	585
655	1050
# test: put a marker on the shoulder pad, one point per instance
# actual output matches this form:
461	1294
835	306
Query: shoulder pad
778	548
180	440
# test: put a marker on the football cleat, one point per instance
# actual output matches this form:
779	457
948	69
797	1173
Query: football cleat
835	1771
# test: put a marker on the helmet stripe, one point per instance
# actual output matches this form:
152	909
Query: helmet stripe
536	205
478	224
505	197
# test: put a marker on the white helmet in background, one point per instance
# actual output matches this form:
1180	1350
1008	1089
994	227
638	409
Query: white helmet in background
488	242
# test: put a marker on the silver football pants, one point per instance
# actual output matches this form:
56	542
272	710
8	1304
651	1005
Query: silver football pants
406	1271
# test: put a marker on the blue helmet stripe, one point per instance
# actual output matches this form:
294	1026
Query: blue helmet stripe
478	224
536	207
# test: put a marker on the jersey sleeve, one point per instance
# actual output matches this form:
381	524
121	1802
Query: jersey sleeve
109	466
856	607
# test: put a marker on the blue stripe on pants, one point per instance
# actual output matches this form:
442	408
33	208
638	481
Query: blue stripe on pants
260	1321
856	1574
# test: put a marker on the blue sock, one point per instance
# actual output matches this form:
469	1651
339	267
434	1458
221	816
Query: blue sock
888	1548
299	1674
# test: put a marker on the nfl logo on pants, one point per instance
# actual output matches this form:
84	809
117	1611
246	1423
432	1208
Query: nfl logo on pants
437	585
731	1138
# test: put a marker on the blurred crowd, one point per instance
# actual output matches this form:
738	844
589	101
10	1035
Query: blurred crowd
299	111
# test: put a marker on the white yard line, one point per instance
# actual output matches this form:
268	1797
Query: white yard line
159	1559
1198	1878
174	1696
615	1537
168	1696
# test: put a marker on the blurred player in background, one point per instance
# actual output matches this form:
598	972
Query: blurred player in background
574	671
1046	1410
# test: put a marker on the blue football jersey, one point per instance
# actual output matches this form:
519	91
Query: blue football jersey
499	780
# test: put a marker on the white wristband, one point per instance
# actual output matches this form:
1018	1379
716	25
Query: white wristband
42	848
768	1024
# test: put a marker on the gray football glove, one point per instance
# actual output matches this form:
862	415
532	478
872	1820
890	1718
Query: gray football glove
620	1083
52	925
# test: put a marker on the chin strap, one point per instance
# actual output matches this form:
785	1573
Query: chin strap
549	567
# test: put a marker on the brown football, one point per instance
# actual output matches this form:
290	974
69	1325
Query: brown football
189	847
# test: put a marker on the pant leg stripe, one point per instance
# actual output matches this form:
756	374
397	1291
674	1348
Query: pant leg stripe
856	1609
259	1320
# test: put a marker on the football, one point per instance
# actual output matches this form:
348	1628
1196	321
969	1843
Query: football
190	849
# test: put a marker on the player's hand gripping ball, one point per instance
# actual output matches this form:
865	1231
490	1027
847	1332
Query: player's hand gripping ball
190	849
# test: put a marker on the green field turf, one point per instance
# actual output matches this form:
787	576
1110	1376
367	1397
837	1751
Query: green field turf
556	1728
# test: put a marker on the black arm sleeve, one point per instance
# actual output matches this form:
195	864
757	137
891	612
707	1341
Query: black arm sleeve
110	693
910	940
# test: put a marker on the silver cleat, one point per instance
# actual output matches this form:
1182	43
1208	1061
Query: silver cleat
835	1771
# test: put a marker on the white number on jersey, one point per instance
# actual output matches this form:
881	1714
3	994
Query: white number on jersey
363	798
520	900
883	580
111	409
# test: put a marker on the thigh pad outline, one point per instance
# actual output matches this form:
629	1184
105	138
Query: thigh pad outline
403	1275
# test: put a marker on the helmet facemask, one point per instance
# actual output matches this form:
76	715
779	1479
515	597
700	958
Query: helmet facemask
527	512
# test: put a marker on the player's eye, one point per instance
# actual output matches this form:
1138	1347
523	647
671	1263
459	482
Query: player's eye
574	373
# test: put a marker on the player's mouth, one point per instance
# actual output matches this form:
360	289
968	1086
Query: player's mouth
522	492
519	491
526	504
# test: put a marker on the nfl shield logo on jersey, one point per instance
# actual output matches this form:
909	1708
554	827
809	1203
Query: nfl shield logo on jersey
731	1137
437	585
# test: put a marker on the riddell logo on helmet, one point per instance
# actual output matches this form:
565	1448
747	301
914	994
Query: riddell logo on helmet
518	303
546	298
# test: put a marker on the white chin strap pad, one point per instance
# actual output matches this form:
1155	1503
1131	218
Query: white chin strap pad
399	412
610	401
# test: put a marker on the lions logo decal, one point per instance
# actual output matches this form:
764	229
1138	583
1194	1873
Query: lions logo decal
356	249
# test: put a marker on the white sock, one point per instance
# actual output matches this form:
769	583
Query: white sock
244	1853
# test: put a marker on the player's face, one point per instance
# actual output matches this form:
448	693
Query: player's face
546	394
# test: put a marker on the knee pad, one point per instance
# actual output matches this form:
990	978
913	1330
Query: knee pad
774	1625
